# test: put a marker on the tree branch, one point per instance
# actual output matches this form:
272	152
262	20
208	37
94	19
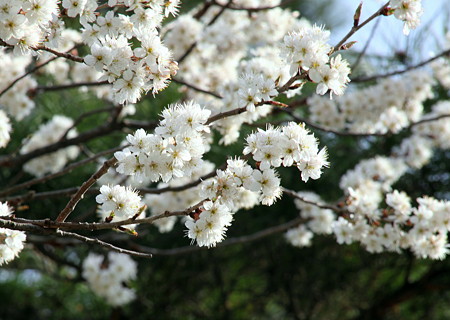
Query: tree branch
65	55
65	170
84	187
390	74
251	9
46	224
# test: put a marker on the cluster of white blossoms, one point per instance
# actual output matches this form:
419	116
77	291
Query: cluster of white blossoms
211	224
422	229
254	88
241	186
317	220
408	11
5	129
174	150
11	241
235	59
131	69
308	50
26	24
16	102
255	85
389	106
57	128
366	183
238	186
292	144
437	130
393	227
176	200
441	71
427	136
119	202
441	66
108	276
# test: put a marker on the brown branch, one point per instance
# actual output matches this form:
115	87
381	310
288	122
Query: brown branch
361	134
319	205
65	170
329	130
179	188
46	224
102	243
26	74
206	5
251	9
393	73
84	187
65	55
366	45
84	116
40	89
32	195
442	116
226	114
231	241
288	84
107	128
191	86
237	111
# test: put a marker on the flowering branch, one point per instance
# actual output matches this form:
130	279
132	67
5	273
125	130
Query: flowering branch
31	225
230	241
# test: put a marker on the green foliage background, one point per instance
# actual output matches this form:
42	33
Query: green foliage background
265	279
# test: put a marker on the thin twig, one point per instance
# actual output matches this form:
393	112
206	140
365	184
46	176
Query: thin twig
26	74
361	134
393	73
65	170
102	243
19	159
231	241
65	55
319	205
252	9
84	187
40	89
357	27
366	46
191	86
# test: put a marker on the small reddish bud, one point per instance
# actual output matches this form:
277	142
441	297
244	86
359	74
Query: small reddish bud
357	15
387	11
